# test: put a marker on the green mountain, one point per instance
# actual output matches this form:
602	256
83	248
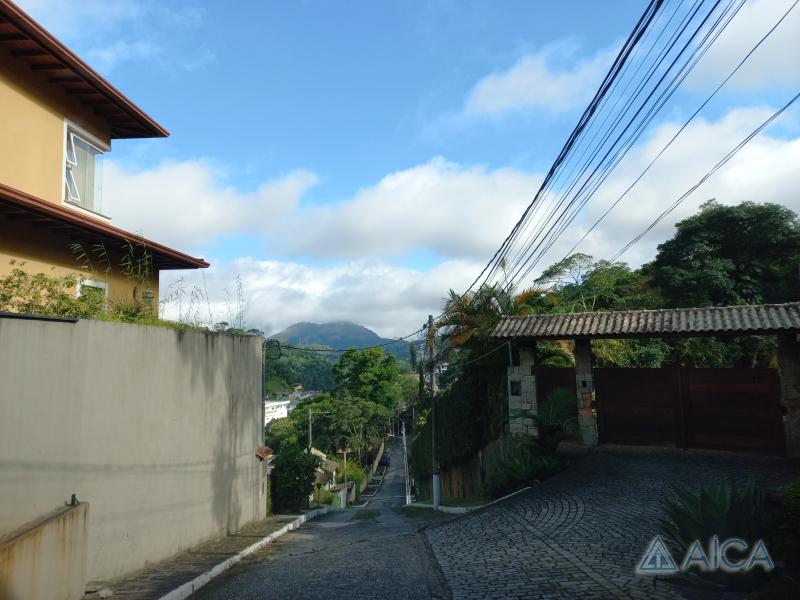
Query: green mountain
338	335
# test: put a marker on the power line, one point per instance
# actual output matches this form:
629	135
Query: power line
603	169
641	26
394	341
686	124
703	179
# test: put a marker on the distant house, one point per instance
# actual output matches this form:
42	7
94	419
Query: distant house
275	409
58	118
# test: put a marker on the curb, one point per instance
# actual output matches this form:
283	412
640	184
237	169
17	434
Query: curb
190	587
462	510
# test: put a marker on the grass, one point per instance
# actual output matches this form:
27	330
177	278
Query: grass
420	513
475	501
365	515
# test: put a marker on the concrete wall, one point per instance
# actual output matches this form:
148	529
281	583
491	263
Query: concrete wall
156	428
46	558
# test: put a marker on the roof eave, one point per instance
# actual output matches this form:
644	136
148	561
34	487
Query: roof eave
148	127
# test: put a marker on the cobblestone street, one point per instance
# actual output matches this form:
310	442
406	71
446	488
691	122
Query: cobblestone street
581	533
371	552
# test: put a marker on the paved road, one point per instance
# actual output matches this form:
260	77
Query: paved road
343	555
582	533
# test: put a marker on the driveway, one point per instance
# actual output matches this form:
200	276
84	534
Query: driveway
582	533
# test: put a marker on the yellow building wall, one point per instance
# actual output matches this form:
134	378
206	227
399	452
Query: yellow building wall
32	115
49	253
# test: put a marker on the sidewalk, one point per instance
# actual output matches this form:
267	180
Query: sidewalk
159	579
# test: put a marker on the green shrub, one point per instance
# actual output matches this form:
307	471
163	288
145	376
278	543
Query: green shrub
726	511
790	501
557	419
292	478
354	473
520	469
325	496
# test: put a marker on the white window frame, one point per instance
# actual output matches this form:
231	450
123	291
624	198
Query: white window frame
92	283
72	129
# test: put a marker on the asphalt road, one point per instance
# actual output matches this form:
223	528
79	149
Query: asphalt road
370	552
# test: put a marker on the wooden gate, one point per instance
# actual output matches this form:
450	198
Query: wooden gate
637	406
733	409
549	379
726	409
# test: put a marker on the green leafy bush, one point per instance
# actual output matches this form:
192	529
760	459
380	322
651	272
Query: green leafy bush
50	295
354	473
325	496
727	511
520	469
790	501
556	419
292	478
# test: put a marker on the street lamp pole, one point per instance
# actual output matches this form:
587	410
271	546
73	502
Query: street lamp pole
437	485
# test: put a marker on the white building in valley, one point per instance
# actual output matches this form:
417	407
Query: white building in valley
275	409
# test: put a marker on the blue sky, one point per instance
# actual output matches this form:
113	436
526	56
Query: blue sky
355	160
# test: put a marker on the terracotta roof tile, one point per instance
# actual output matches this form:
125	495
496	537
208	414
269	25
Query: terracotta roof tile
714	320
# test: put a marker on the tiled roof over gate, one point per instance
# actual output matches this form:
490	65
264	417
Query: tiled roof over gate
715	320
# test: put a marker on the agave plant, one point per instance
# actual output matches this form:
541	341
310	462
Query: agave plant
726	511
556	419
520	469
717	509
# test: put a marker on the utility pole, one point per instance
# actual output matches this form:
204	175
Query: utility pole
405	464
437	485
309	431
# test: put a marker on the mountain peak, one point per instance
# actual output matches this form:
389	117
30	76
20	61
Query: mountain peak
338	335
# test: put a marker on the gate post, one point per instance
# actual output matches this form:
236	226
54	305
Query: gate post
584	380
789	366
522	391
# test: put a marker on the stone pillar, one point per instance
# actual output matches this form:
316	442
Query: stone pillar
522	392
789	365
584	379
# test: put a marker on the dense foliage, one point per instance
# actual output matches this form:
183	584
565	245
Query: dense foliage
292	478
369	374
51	295
745	254
369	390
292	367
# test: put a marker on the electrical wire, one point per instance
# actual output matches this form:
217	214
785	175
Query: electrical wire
703	179
686	124
614	154
394	341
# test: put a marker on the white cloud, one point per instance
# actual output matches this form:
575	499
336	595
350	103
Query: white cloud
459	212
92	17
775	63
763	171
107	57
393	301
187	204
438	206
110	32
552	80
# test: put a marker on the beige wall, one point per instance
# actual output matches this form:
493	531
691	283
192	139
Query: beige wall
50	253
156	428
32	113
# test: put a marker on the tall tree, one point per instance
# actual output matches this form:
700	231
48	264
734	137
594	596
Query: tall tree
369	374
745	254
